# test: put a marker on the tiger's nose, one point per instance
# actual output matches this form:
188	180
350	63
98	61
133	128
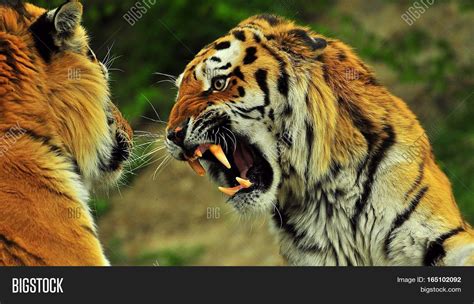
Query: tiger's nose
176	135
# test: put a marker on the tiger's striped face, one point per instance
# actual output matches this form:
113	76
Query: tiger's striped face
226	120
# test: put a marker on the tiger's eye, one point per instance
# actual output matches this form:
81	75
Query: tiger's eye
218	84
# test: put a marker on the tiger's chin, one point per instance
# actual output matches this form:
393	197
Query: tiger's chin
242	171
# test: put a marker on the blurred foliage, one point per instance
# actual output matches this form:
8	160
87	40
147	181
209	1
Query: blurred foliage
454	147
99	206
179	256
168	35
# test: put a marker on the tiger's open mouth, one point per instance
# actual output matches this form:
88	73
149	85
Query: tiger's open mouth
241	164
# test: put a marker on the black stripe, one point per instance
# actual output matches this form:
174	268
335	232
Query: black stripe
417	182
241	91
77	170
214	58
270	37
201	122
341	56
42	31
307	101
238	73
311	248
309	145
373	165
55	191
329	207
271	19
249	110
403	217
261	77
239	35
282	220
8	49
271	114
222	45
237	112
286	138
435	251
45	140
8	242
287	110
283	79
326	73
257	38
16	5
89	230
225	67
371	80
302	35
364	125
250	55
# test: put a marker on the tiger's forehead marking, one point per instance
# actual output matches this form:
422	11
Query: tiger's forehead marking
219	59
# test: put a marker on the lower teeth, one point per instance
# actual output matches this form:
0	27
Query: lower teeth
243	184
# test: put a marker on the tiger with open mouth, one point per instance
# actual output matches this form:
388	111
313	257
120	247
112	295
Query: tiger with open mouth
343	165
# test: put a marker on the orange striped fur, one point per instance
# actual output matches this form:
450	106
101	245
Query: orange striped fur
60	136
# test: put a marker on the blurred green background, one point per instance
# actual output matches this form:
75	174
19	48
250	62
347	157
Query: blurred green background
429	64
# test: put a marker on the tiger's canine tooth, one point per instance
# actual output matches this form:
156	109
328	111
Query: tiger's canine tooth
230	191
198	153
197	167
217	151
245	183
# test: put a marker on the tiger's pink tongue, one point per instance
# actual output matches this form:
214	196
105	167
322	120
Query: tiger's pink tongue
243	160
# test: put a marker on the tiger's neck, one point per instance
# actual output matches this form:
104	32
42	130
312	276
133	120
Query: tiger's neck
314	221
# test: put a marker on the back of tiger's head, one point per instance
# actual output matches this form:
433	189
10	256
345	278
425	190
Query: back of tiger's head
57	89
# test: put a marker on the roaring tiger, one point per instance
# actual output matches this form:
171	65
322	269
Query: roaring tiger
60	137
295	124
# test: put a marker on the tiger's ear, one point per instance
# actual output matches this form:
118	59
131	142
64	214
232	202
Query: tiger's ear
60	30
67	18
300	41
